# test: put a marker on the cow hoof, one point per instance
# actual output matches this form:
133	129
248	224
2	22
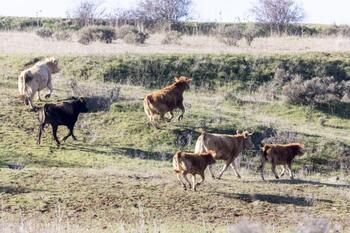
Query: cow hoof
47	96
277	177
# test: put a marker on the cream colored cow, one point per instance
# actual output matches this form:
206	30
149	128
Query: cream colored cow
36	78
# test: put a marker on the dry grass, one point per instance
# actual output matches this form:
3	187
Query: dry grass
29	43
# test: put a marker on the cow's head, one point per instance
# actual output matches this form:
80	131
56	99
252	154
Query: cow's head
184	81
53	64
209	157
82	105
247	140
301	149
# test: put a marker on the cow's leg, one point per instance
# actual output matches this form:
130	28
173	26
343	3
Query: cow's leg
202	178
234	168
38	95
181	181
194	182
71	133
30	101
49	86
210	167
290	171
41	129
182	108
54	133
273	168
283	170
224	168
171	116
261	168
184	175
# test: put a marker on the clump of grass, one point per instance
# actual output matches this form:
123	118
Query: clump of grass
230	35
62	35
172	37
125	30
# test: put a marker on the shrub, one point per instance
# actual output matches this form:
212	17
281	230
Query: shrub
315	92
62	35
98	98
135	38
230	35
93	33
172	37
44	32
250	33
125	30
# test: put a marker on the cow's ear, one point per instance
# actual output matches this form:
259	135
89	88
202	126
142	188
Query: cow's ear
237	131
177	79
189	80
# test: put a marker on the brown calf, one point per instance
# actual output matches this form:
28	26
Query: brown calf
280	154
192	163
166	100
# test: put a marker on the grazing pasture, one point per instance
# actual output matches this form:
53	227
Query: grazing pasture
118	176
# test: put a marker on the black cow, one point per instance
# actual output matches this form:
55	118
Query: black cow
65	113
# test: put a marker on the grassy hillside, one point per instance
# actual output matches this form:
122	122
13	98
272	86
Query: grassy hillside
118	175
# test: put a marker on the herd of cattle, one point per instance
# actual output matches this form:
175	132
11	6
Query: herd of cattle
208	149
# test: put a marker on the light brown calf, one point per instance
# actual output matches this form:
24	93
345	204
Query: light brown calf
192	163
227	148
280	154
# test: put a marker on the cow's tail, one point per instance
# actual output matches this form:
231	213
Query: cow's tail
41	114
148	103
23	79
264	151
200	145
176	162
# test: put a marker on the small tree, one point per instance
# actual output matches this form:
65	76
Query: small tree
86	12
166	11
277	14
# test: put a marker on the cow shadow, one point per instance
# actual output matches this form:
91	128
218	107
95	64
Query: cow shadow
309	182
272	198
15	190
340	110
129	152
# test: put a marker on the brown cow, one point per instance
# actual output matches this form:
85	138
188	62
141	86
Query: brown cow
166	100
227	148
192	163
280	154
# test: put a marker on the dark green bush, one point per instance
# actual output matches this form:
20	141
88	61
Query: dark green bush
44	32
94	33
212	71
135	38
316	92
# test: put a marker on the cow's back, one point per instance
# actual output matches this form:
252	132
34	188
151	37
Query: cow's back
224	145
281	154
